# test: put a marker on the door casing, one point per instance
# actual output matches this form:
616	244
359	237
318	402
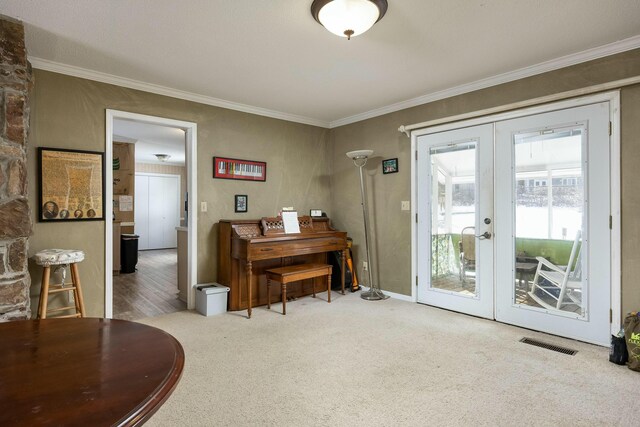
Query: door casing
191	136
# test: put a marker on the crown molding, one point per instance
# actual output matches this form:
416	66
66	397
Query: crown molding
543	67
71	70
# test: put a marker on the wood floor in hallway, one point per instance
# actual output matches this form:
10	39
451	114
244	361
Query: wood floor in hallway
150	291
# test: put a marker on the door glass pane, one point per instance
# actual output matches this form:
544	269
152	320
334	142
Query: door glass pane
454	195
549	218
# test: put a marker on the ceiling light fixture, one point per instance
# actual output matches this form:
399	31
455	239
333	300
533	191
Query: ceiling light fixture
348	18
162	157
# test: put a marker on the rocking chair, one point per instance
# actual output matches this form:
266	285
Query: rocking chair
564	285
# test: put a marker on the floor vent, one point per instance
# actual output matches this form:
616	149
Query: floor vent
552	347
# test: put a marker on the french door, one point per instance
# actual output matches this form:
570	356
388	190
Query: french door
513	221
455	220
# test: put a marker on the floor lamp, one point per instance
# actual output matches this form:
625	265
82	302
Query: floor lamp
360	158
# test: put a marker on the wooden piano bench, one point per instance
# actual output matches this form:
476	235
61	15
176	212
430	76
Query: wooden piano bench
294	273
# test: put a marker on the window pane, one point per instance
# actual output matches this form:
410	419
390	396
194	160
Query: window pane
549	211
454	206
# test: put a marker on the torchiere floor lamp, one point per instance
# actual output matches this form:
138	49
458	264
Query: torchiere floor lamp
360	158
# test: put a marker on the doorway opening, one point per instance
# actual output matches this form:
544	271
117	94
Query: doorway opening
151	240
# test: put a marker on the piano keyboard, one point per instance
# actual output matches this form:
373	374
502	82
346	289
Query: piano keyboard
241	169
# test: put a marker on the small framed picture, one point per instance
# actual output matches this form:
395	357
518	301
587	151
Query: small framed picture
315	212
242	201
390	166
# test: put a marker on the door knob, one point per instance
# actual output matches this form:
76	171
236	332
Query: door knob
485	235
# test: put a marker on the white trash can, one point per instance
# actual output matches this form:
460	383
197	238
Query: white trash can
211	299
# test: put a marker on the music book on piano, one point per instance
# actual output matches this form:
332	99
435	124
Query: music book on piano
290	222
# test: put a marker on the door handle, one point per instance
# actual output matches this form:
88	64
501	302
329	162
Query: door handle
485	235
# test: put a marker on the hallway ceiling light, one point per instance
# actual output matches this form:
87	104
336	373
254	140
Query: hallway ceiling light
162	157
347	18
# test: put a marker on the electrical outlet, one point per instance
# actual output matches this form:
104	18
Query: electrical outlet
405	205
365	265
203	206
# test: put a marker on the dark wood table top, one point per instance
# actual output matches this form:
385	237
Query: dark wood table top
89	372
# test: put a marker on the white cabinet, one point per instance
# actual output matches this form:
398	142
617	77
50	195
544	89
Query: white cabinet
157	210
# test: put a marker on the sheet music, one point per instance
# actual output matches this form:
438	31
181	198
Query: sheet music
290	222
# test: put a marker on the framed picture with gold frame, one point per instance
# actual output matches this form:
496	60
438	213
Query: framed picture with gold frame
71	185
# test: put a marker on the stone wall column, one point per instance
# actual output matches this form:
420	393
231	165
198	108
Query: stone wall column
15	219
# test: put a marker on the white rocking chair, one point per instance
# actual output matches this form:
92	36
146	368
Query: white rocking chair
564	285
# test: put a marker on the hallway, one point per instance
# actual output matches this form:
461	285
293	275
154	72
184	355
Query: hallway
152	290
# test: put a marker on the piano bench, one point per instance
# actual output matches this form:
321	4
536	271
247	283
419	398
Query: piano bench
294	273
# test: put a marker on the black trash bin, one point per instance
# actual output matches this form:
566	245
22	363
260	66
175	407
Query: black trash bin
128	253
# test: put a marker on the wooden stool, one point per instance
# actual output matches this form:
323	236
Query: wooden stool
293	273
60	258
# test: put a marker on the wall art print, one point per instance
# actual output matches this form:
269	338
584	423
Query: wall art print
71	185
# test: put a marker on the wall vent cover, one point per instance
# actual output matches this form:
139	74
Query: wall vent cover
552	347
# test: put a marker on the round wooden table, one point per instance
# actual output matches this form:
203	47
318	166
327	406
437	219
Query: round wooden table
89	372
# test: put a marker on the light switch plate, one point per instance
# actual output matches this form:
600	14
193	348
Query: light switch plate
203	206
405	205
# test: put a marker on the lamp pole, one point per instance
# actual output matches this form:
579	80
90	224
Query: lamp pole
360	158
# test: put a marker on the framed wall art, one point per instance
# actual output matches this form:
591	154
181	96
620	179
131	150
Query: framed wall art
241	203
71	185
390	166
248	170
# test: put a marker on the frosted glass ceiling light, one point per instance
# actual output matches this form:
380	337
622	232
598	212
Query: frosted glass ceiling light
348	18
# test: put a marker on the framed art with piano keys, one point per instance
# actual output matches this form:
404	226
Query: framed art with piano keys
247	170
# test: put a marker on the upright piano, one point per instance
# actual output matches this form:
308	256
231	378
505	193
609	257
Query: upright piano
246	248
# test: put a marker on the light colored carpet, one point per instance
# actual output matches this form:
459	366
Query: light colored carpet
385	363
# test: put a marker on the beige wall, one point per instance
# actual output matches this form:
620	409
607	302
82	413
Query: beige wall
69	112
630	188
307	167
392	227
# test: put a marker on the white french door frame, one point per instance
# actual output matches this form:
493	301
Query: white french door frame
613	97
191	137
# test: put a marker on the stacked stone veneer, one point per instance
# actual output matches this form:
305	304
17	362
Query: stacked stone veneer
15	221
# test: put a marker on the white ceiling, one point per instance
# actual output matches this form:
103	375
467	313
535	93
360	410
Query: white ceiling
272	58
150	140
